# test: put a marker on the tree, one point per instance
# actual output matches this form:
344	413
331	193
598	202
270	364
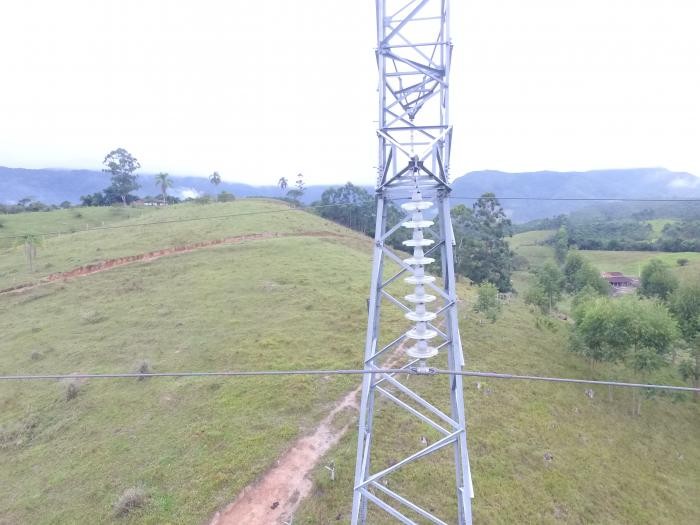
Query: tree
561	244
283	183
593	335
550	280
637	331
121	165
482	253
215	178
300	183
487	301
349	205
93	199
657	280
225	196
579	273
295	195
685	306
164	181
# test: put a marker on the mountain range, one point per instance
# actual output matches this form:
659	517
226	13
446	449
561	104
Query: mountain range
53	186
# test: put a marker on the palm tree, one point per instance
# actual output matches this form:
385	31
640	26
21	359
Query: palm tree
215	178
164	181
283	183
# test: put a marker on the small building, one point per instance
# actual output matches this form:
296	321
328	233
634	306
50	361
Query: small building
618	280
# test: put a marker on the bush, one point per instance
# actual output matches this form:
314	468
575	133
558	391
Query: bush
487	301
536	296
225	196
131	499
72	390
144	368
92	317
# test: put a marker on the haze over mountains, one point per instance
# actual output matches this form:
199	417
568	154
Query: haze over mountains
54	186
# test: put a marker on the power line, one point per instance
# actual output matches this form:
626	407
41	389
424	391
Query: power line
410	371
319	206
583	199
172	221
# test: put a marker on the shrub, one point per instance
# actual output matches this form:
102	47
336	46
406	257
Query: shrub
487	301
131	499
144	368
225	196
72	390
92	317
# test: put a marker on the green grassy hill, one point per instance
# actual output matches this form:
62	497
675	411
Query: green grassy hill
289	302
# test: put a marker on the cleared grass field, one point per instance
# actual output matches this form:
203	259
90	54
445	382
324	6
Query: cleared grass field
141	230
529	245
657	226
630	263
289	303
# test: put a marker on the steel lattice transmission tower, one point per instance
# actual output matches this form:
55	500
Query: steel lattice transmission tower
413	56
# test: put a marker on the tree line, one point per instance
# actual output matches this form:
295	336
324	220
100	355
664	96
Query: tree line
635	233
121	166
482	253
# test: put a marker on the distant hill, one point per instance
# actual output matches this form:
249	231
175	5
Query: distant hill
54	186
643	183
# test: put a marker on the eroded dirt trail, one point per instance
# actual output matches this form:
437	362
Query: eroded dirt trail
275	498
109	264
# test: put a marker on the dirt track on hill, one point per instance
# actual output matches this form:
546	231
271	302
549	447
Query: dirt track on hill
275	497
108	264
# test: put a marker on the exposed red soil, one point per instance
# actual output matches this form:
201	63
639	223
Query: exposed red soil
274	499
108	264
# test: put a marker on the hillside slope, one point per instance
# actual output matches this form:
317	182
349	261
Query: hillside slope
287	303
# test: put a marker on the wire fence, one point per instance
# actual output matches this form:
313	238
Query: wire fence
339	205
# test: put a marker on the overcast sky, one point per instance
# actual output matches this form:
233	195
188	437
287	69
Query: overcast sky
257	90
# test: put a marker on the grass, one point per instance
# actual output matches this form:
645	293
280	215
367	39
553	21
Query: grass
190	445
531	245
630	263
57	254
657	226
607	466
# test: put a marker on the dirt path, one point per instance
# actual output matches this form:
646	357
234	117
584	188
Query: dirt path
109	264
275	498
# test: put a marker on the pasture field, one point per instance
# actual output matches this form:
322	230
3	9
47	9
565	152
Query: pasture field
529	245
631	263
139	230
657	226
295	302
